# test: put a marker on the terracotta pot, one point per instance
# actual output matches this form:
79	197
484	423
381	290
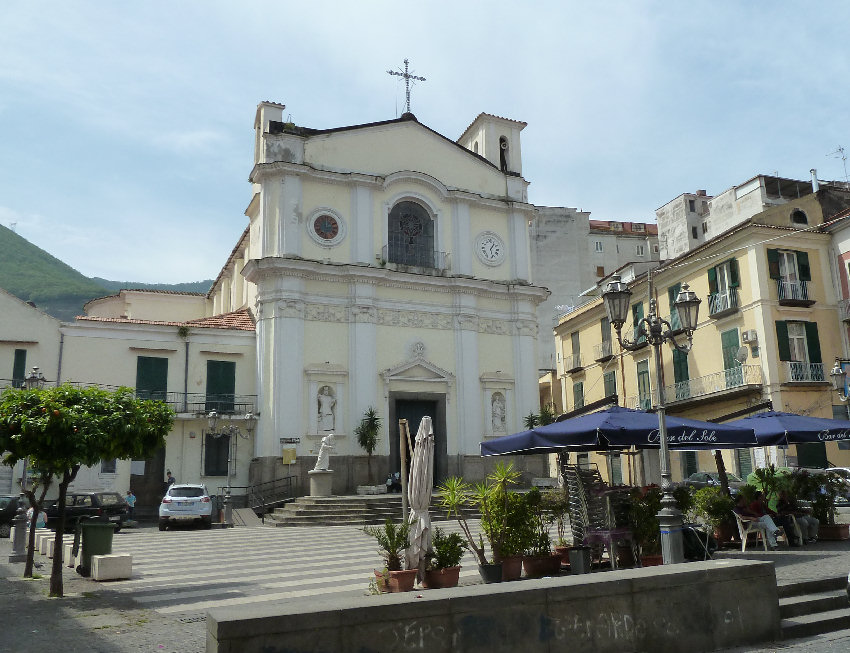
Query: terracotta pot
511	568
625	557
402	581
564	552
439	578
548	564
381	582
834	532
653	560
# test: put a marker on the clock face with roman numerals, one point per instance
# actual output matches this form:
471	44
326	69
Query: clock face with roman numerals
326	227
490	248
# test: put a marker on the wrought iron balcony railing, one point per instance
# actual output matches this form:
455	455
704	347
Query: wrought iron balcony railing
722	302
572	363
736	377
401	254
603	350
797	372
797	291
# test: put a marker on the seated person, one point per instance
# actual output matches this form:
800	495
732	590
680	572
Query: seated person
757	511
788	520
806	525
394	482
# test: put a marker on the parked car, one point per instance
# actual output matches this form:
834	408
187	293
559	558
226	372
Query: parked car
699	480
8	509
186	503
101	504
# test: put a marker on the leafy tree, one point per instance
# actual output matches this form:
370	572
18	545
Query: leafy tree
63	428
367	433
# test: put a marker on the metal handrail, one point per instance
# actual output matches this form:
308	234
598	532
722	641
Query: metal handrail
715	382
801	372
793	290
263	495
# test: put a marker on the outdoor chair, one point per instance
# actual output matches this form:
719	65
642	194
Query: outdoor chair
751	526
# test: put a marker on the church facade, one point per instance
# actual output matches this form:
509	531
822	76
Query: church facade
388	267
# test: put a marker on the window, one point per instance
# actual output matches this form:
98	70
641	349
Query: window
216	452
681	375
475	147
791	271
19	368
221	386
692	205
672	294
729	345
638	227
799	217
600	271
410	235
616	477
151	377
689	463
745	462
694	233
616	226
503	153
644	388
598	246
640	250
637	316
578	395
609	383
109	466
799	346
704	228
575	342
723	282
655	249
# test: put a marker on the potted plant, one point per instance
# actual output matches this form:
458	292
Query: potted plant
827	487
538	559
645	505
557	505
392	540
443	564
713	507
367	433
454	496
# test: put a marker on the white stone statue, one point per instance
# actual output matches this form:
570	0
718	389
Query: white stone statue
324	453
326	409
497	404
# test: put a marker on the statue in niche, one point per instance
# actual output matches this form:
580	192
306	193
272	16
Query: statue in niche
327	402
497	405
323	462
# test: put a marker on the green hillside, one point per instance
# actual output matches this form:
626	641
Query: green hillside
33	275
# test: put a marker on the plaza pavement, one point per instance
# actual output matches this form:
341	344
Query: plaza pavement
179	575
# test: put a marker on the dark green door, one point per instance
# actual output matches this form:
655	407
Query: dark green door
413	411
681	376
221	386
19	368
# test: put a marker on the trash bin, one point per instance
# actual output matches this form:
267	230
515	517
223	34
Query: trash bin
580	560
97	540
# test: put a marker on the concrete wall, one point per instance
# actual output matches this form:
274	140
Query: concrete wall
690	607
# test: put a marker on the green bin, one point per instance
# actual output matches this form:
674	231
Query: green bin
97	541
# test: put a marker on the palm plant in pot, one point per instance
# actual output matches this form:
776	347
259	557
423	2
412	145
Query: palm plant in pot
392	540
367	433
443	566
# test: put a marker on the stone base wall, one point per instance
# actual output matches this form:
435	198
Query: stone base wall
351	471
694	607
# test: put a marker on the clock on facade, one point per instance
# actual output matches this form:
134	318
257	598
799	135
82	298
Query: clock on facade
490	248
326	228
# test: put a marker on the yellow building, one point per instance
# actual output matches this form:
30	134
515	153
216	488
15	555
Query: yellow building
768	332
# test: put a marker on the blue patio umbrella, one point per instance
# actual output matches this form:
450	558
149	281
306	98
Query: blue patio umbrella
778	428
620	428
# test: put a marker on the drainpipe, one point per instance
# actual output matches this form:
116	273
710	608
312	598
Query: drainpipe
186	377
59	363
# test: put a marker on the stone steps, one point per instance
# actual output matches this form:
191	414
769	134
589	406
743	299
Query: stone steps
813	607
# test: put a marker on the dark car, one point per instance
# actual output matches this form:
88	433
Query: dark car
699	480
8	509
101	504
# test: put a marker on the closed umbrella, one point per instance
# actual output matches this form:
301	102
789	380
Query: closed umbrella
419	496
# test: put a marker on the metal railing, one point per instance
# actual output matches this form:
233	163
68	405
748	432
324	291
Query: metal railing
719	302
572	362
602	350
844	309
414	256
702	386
797	372
792	290
639	403
264	495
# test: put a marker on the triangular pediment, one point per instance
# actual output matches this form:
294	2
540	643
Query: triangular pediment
418	369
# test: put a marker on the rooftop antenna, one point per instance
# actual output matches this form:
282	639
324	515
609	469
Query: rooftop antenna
408	81
839	154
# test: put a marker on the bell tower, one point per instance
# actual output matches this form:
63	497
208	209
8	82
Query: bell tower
497	140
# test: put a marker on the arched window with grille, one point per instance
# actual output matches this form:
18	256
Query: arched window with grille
410	235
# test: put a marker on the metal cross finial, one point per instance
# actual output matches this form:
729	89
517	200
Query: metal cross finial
407	77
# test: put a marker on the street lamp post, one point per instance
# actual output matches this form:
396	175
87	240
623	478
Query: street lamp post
231	431
34	380
839	379
656	332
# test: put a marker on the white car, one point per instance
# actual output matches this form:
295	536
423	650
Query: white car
184	504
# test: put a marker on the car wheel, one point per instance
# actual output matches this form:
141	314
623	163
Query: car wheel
163	525
206	523
5	530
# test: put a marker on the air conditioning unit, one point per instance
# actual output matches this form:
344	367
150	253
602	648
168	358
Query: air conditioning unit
750	337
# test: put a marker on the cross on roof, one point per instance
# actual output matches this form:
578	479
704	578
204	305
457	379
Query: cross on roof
407	79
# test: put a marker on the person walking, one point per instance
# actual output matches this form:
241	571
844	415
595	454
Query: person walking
131	503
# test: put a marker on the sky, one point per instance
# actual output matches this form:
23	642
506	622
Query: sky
126	129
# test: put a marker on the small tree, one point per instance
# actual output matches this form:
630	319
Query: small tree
531	420
367	433
63	428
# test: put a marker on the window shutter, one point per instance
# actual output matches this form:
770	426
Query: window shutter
637	316
712	280
782	340
19	365
813	342
773	263
734	279
803	266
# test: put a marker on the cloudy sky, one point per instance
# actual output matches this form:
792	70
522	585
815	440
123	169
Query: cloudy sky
126	128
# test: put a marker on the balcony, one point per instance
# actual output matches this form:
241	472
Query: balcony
403	258
722	384
793	293
603	351
639	403
797	372
721	304
573	363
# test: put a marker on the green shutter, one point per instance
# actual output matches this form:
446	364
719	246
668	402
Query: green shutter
813	342
221	386
151	377
773	263
782	340
729	344
637	316
578	395
609	381
712	280
803	266
19	366
691	465
680	366
734	279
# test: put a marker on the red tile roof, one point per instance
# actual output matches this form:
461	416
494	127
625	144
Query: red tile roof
238	320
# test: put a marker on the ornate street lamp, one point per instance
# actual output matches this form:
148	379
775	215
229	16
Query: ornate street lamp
656	331
231	431
839	379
